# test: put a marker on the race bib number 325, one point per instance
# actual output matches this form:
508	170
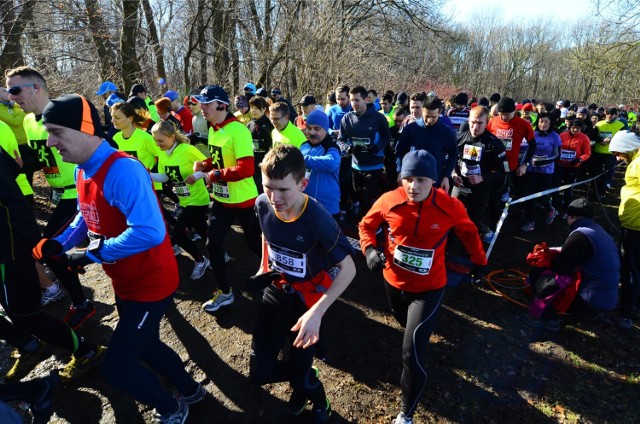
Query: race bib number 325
413	259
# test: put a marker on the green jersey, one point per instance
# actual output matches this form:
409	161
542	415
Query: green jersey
9	143
606	130
142	146
178	166
290	135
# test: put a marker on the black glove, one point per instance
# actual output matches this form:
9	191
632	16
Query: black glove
47	249
375	259
477	272
77	260
259	282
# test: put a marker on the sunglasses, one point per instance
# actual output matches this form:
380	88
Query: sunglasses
17	89
191	103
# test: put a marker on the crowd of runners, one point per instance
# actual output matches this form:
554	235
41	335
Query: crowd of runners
418	178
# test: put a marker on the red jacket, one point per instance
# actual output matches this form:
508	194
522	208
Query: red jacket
417	237
579	143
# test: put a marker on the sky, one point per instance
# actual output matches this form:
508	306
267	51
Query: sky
463	10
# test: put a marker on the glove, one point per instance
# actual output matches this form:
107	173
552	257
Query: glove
47	249
477	272
375	259
259	282
77	260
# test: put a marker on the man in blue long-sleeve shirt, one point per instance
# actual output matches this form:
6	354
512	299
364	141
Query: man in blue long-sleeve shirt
430	134
365	133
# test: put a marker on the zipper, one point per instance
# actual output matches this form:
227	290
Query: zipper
415	231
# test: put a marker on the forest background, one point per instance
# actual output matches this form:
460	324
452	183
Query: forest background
311	46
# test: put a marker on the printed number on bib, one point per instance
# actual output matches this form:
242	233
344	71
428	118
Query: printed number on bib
287	261
56	195
181	189
467	170
221	190
471	152
507	143
536	159
360	141
413	259
567	154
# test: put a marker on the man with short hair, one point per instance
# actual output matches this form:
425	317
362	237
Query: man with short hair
185	115
300	241
120	213
479	170
415	108
364	133
430	134
284	131
337	111
140	91
460	112
385	108
27	87
373	98
230	171
322	162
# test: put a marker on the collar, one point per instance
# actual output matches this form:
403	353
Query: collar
230	118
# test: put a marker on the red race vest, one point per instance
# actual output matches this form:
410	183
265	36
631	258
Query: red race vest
147	276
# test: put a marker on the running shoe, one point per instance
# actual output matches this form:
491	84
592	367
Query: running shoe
486	233
298	400
43	401
551	216
614	318
77	315
78	366
50	296
402	419
218	300
27	361
553	325
193	236
196	397
178	417
528	227
321	415
177	250
199	268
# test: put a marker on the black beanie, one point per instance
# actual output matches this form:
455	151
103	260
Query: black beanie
75	112
506	105
580	207
419	163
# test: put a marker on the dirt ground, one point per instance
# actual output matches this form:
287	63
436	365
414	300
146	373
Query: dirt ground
486	365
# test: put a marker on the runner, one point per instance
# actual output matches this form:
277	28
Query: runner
176	166
121	215
28	88
260	127
575	150
301	241
284	130
419	218
230	170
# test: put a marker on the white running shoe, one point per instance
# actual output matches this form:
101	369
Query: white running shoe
218	300
50	296
199	269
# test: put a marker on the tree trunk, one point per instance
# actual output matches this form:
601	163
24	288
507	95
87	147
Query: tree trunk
11	55
102	40
131	70
155	41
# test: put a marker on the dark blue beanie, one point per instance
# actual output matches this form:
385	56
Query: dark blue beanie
419	163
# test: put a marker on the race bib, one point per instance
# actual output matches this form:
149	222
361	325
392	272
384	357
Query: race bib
360	141
567	155
471	152
181	189
507	143
413	259
221	189
56	195
536	159
287	261
467	169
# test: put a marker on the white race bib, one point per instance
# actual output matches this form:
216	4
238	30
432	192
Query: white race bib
56	195
287	261
507	143
471	152
467	170
567	154
181	189
221	190
413	259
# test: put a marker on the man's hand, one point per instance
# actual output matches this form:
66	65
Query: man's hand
457	180
375	259
199	165
47	249
522	169
445	184
76	261
308	328
190	179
